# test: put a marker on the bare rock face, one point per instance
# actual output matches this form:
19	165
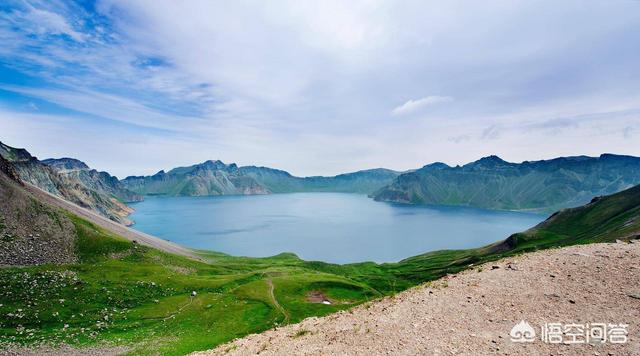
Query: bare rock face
32	233
103	182
8	169
73	181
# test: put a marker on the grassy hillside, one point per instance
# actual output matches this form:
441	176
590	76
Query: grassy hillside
121	293
605	219
496	184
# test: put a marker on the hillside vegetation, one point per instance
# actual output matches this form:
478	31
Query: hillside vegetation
116	292
493	183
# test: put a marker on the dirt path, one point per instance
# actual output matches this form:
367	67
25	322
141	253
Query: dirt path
275	301
112	226
473	312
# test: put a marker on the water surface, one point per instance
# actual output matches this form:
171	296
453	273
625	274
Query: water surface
332	227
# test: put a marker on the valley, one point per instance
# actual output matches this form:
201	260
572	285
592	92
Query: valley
113	292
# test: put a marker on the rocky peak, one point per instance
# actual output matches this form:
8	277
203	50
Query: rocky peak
12	154
65	164
435	165
217	164
492	161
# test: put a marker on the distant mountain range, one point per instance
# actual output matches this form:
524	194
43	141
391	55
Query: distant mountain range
496	184
217	178
74	181
490	182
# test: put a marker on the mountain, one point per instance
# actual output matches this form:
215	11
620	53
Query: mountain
30	232
217	178
604	219
70	180
101	182
364	182
65	164
208	178
493	183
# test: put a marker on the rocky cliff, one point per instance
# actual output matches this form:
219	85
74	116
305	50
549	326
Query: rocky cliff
86	189
30	232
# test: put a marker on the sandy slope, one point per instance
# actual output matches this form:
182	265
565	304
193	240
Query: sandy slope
473	312
115	227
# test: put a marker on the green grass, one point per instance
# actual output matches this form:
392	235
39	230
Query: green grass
120	293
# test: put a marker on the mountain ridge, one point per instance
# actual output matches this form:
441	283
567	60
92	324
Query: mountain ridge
97	191
489	182
494	183
217	178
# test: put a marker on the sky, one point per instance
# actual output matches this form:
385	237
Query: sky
318	87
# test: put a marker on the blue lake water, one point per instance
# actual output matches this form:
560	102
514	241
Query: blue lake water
331	227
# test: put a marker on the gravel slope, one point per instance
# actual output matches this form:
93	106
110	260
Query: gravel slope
472	313
112	226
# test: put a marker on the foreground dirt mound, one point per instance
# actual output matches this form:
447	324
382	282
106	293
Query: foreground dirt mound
474	312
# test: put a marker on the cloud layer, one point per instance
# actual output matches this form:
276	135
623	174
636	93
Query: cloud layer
318	87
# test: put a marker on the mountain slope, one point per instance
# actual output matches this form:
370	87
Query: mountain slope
101	182
472	313
217	178
604	219
208	178
496	184
30	232
75	187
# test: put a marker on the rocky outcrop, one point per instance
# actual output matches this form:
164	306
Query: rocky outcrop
31	232
98	181
7	169
85	189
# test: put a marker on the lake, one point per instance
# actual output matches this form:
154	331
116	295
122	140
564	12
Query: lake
331	227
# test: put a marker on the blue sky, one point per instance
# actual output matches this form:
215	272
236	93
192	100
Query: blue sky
321	87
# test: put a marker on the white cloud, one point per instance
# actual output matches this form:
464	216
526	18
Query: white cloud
414	106
47	22
309	86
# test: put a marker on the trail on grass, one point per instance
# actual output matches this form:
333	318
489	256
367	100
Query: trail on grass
173	315
473	312
275	301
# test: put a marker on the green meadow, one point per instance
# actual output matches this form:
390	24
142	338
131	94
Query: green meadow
122	294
